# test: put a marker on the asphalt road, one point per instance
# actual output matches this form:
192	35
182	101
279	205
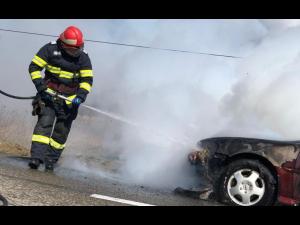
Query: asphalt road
22	186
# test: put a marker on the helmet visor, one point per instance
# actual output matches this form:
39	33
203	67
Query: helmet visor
72	50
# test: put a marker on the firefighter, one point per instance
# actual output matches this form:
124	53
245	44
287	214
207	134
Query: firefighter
68	71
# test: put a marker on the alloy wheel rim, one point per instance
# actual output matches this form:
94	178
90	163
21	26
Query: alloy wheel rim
246	187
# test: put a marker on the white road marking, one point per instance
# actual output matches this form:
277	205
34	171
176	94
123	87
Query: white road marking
119	200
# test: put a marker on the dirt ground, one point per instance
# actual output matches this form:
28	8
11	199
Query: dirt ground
13	149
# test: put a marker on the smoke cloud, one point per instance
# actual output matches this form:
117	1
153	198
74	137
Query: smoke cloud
177	99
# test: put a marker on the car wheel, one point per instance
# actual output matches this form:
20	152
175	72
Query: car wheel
247	182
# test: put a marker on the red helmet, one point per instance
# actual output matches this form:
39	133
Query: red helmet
72	41
72	37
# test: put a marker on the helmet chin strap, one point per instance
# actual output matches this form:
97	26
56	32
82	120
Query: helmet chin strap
73	54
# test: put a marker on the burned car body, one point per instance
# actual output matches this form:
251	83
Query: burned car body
249	171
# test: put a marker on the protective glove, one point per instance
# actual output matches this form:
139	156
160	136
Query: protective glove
45	96
76	101
37	106
40	86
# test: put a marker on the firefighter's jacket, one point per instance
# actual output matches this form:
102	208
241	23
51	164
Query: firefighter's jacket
63	73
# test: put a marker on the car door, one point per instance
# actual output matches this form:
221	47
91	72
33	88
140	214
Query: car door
297	179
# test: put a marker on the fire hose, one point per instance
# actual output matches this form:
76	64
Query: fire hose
15	97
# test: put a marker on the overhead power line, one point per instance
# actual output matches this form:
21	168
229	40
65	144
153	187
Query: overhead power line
129	45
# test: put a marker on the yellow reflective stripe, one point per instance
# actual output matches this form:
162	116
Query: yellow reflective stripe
66	74
53	69
40	139
35	75
85	86
70	98
62	73
39	61
56	145
49	90
86	73
46	140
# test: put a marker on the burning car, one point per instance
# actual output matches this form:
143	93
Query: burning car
248	171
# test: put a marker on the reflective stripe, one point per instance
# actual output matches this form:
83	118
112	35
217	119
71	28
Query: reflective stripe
53	69
86	73
40	139
85	86
49	90
61	73
39	61
35	75
71	98
66	74
56	145
70	41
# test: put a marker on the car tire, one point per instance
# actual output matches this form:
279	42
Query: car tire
247	182
3	201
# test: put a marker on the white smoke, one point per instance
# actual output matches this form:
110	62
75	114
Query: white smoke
268	93
177	95
177	98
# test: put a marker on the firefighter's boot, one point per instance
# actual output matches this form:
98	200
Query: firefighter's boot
34	163
49	165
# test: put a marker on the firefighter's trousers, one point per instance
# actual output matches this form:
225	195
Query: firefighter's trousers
52	129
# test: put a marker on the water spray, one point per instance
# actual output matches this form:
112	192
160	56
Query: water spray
121	119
